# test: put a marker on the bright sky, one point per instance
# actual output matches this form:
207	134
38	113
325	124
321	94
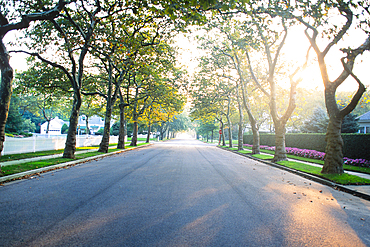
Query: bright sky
295	50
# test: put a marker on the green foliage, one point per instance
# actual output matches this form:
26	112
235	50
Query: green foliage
114	130
205	129
350	124
15	120
317	122
28	126
100	131
64	129
356	146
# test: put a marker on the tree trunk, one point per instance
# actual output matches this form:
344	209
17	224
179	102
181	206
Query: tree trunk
104	144
148	136
240	124
280	152
255	131
134	132
87	126
334	148
230	132
70	147
122	130
5	90
161	131
48	126
168	133
256	140
240	136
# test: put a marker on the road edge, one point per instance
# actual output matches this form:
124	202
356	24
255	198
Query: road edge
331	184
37	172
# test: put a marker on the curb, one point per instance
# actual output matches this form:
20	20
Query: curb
37	172
335	186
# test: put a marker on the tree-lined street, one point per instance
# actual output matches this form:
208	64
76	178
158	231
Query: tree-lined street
179	193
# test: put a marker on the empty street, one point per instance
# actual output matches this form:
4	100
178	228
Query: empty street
178	193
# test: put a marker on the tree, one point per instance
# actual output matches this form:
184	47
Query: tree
8	22
15	120
317	123
315	19
42	91
71	35
271	39
350	124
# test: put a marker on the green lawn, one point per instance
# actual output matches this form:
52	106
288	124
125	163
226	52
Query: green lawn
263	156
344	179
13	169
10	157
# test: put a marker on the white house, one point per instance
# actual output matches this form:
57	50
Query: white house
55	127
364	123
95	123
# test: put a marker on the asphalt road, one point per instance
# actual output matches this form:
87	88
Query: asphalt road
179	193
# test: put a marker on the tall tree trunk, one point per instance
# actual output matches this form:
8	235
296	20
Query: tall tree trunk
122	129
48	126
334	148
256	138
280	152
161	131
230	125
104	144
134	131
5	90
70	147
87	125
240	124
253	122
148	135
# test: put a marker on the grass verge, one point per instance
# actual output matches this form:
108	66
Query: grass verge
262	156
13	169
10	157
321	162
345	179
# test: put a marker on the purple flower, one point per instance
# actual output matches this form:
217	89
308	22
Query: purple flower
313	154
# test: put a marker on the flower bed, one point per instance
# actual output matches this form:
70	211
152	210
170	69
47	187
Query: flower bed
313	154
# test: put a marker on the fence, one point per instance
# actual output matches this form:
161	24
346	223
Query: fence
52	142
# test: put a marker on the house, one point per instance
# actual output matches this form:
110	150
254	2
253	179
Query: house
95	123
55	127
364	123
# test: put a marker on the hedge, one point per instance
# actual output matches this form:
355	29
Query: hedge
356	146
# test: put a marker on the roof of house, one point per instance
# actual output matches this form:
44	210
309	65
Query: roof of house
364	117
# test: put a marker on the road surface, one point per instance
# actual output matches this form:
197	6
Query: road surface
179	193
